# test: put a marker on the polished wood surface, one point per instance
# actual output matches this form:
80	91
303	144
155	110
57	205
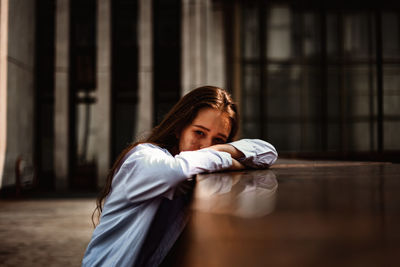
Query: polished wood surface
298	213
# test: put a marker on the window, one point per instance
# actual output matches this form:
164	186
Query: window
321	80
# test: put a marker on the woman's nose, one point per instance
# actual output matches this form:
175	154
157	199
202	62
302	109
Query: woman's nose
205	143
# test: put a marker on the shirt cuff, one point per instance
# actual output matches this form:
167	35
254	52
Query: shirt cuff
257	153
245	147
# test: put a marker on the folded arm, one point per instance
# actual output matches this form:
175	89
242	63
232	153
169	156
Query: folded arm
151	172
254	153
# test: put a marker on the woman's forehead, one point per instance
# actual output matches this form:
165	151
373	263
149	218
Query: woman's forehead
213	119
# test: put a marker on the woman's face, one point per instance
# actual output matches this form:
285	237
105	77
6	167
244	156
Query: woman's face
209	127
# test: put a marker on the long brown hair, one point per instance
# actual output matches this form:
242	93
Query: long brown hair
165	134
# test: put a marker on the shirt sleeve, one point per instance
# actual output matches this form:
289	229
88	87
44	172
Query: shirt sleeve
150	171
257	153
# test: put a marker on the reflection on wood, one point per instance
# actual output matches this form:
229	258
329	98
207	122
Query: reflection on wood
339	214
241	194
312	164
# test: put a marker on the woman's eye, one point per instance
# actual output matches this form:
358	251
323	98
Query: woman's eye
219	141
199	132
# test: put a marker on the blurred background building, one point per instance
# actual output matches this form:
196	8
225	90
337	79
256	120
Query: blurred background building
79	80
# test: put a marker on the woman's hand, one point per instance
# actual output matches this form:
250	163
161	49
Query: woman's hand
235	153
236	165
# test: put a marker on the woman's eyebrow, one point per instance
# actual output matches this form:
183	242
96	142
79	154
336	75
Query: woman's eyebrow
202	127
206	129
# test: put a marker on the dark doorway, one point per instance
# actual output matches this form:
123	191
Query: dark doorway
82	98
44	94
124	82
167	56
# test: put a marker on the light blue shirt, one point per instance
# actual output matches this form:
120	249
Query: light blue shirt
147	175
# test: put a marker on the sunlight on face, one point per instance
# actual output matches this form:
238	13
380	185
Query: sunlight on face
210	127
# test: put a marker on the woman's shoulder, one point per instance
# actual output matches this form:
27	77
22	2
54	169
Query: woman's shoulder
146	148
142	151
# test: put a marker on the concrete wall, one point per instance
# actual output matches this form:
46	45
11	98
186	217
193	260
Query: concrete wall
20	87
3	81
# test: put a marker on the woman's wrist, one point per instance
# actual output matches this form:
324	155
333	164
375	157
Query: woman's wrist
235	153
236	165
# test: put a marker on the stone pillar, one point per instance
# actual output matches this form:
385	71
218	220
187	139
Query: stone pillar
236	70
145	112
193	44
103	105
203	47
215	40
3	82
61	107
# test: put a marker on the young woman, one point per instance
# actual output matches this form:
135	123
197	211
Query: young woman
196	136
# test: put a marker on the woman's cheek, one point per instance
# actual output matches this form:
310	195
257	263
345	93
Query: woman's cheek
195	143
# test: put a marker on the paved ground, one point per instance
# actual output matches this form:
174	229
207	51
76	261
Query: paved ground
48	232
